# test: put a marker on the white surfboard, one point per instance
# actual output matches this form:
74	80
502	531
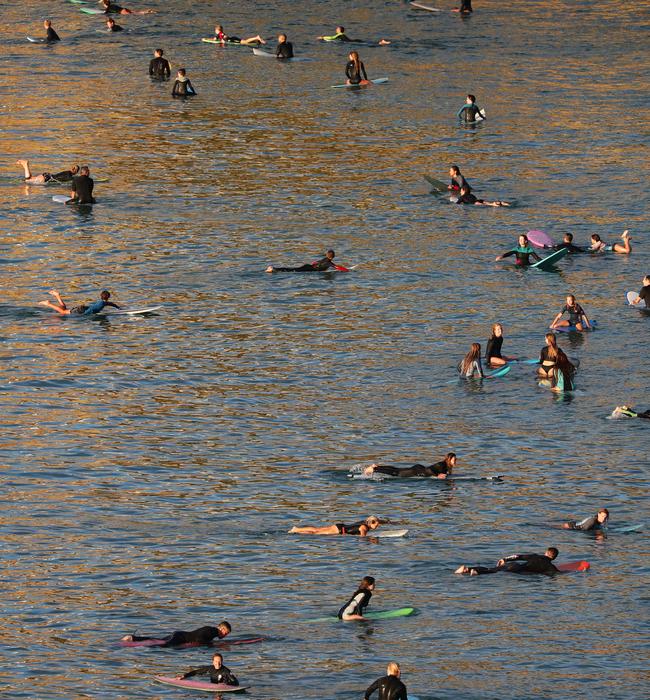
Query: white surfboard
61	198
36	41
386	533
428	8
632	297
108	311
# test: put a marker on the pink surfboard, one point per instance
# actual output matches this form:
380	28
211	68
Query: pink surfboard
200	685
539	239
573	566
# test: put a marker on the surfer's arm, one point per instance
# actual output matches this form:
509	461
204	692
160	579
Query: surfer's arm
506	254
461	110
201	671
371	689
534	254
556	319
110	303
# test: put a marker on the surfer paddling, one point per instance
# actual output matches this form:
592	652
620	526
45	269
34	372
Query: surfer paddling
353	609
390	686
340	35
83	309
595	522
517	564
361	528
322	265
198	637
599	246
217	672
439	470
627	412
111	8
466	197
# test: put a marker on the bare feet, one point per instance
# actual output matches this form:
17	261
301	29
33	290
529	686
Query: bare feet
269	269
369	471
43	303
22	161
127	638
293	530
462	569
625	234
384	42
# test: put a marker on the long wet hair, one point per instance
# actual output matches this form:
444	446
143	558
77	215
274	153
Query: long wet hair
551	339
366	582
473	355
354	57
563	365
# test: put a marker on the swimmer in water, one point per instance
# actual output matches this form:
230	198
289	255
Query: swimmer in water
43	178
517	564
390	686
81	310
112	27
577	316
182	85
627	412
284	49
465	7
82	187
471	363
523	252
458	181
466	197
493	356
321	265
217	672
599	246
644	293
470	111
595	522
159	68
198	637
340	35
222	37
439	470
51	34
114	9
567	242
354	608
361	528
355	71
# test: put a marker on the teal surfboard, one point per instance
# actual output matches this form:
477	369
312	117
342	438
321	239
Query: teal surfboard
549	261
92	11
378	615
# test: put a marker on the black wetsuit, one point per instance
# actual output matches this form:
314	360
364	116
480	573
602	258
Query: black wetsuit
493	348
466	6
113	9
389	687
521	564
116	28
357	603
416	470
159	68
82	186
469	112
522	255
217	675
353	529
353	75
52	35
587	524
644	293
468	198
183	88
458	182
284	50
319	266
201	636
570	247
576	312
63	176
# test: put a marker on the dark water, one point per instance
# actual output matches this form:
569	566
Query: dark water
151	466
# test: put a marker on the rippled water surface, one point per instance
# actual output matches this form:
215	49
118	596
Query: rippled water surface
151	466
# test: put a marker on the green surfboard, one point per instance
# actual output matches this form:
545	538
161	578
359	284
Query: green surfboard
549	261
437	185
378	615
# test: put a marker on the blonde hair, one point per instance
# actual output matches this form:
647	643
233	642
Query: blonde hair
392	669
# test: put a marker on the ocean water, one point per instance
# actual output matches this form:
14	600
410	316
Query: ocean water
151	466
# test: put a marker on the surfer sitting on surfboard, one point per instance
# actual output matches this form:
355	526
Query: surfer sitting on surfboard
82	309
29	179
221	36
517	564
284	49
563	372
595	522
627	412
471	363
51	34
577	316
470	111
201	636
340	35
522	252
353	609
547	356
360	528
114	9
355	71
466	197
390	686
217	671
644	293
82	187
493	356
599	246
321	265
439	470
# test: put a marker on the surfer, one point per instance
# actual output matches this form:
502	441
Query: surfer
439	470
114	9
493	356
82	187
221	36
284	49
112	27
470	111
595	522
353	609
51	34
471	364
355	71
29	179
522	252
321	265
547	356
567	242
199	637
82	309
644	293
390	686
466	197
577	316
361	528
563	372
159	68
627	412
340	35
457	180
182	85
599	246
217	671
517	564
465	7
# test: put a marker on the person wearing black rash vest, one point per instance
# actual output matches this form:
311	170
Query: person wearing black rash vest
82	187
457	180
217	672
43	178
465	7
321	265
523	252
439	470
644	293
595	522
159	68
567	242
198	637
517	564
355	71
182	85
493	357
112	27
284	49
353	609
470	111
111	8
361	528
51	34
466	197
390	686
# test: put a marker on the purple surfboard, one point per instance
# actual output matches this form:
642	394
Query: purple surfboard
200	685
539	239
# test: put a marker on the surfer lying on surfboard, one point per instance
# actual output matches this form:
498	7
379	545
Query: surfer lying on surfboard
353	609
198	637
577	316
29	179
439	470
340	35
221	36
599	246
321	265
595	522
114	9
627	412
361	528
517	564
217	672
83	309
390	686
522	252
466	197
